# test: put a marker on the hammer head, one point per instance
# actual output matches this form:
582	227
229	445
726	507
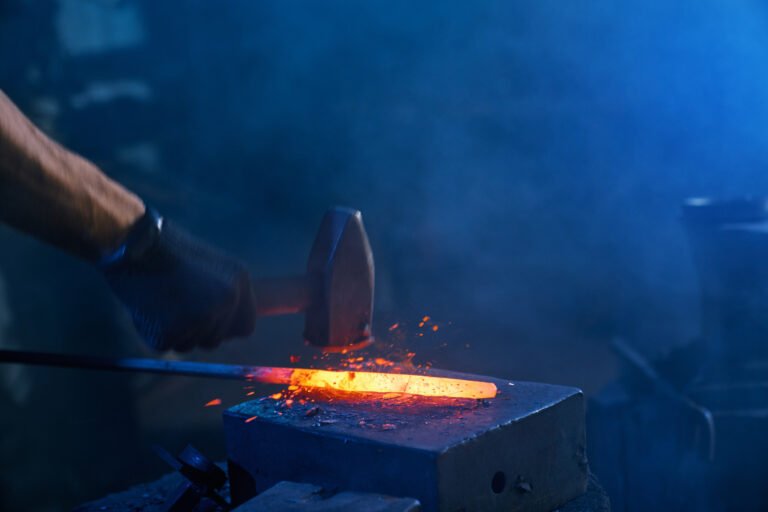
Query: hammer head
340	268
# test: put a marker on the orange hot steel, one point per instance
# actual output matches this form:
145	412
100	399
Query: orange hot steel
375	382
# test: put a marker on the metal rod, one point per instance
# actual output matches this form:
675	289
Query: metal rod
214	370
364	382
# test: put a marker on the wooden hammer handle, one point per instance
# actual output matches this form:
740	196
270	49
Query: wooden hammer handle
283	295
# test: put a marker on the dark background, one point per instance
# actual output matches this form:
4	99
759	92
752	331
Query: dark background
519	166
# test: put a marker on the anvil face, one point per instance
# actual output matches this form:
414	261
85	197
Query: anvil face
523	450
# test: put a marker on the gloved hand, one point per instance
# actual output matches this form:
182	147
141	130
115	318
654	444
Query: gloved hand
180	292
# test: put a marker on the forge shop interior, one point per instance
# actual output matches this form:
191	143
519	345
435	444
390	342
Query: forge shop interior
529	237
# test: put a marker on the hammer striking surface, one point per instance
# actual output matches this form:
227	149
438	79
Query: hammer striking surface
336	291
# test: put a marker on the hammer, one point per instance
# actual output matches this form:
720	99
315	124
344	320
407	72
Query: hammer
336	291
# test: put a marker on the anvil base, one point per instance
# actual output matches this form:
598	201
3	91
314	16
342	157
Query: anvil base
521	451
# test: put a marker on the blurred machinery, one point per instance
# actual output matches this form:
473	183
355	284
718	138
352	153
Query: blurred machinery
689	430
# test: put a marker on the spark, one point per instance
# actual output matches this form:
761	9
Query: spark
215	401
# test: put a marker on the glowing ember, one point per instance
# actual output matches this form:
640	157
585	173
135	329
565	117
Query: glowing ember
248	420
215	401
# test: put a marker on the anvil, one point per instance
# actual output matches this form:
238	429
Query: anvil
521	451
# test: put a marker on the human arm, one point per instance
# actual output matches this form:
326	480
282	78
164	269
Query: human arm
56	195
180	292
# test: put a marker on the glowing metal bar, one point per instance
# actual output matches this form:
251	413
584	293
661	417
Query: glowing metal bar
375	382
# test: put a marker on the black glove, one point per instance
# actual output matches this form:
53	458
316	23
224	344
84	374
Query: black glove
180	292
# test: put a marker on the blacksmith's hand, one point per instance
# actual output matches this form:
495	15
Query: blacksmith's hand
181	292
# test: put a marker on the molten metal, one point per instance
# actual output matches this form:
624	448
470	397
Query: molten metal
375	382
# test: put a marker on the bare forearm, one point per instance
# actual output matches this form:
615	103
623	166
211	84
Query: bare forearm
56	195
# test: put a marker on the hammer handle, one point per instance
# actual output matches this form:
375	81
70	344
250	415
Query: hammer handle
282	295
